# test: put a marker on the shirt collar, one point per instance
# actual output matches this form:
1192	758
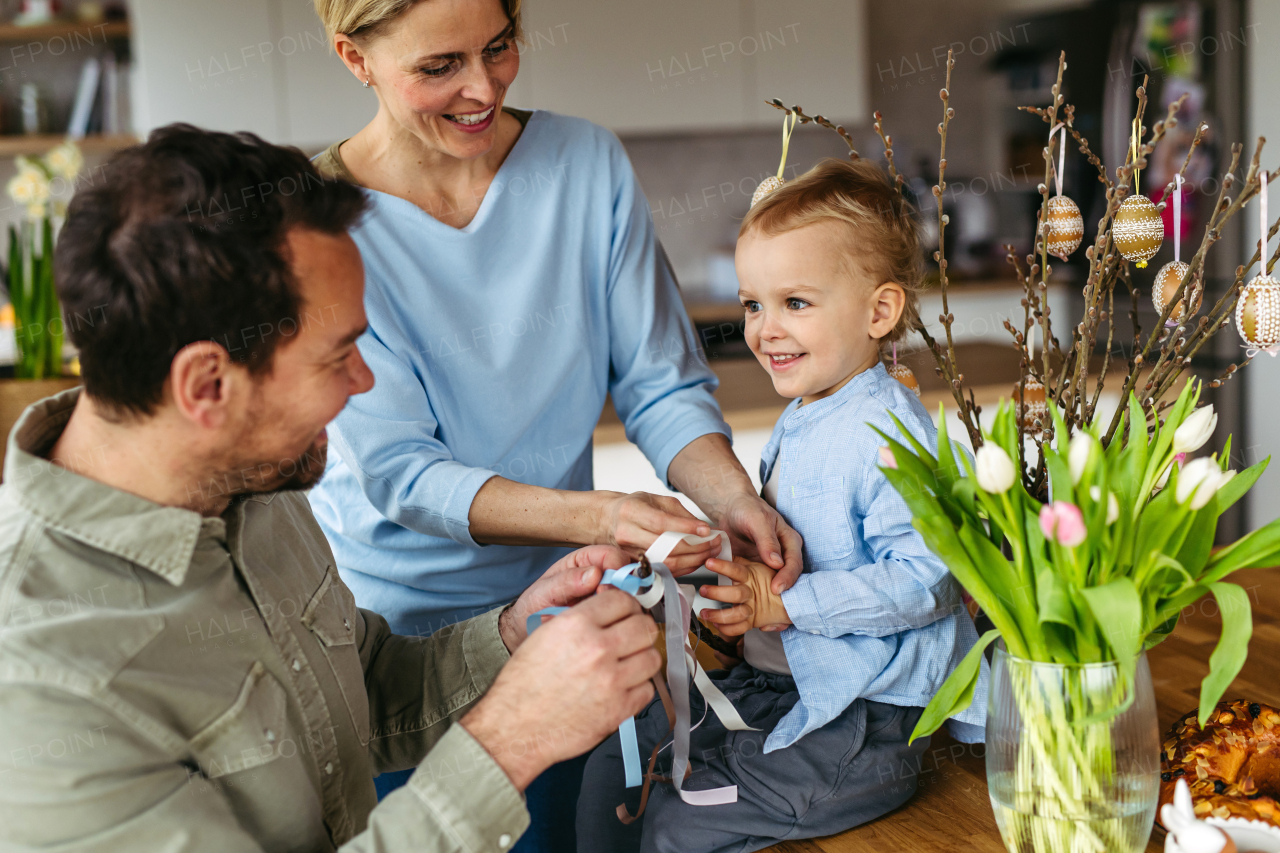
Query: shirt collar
159	538
858	386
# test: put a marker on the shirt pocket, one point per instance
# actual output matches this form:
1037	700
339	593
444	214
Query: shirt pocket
331	616
249	733
821	511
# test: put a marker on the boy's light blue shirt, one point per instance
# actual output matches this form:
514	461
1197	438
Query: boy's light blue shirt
493	347
875	615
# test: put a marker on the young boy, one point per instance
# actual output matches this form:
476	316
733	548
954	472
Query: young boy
838	668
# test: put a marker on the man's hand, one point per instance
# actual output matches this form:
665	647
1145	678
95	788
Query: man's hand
568	686
754	603
568	581
759	531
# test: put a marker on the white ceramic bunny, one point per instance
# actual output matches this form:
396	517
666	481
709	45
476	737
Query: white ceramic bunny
1186	834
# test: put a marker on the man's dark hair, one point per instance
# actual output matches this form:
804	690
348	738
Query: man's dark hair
182	239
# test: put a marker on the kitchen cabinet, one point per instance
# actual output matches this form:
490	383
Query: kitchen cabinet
257	65
671	65
661	66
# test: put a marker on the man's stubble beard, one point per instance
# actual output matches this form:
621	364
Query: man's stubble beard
259	476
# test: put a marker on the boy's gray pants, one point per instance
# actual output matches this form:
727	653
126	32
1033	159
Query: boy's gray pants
854	769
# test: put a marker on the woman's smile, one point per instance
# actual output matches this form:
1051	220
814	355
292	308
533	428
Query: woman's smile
474	122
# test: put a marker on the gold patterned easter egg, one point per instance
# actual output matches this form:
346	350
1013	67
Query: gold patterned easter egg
1166	285
1258	312
1034	406
1064	227
767	186
903	374
1138	230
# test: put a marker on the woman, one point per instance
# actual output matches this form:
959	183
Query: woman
512	281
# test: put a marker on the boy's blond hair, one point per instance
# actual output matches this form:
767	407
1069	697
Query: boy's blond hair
883	241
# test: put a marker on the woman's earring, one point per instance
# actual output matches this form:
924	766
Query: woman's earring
366	82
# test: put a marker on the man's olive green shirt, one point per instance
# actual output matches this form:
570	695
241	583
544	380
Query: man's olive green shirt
179	683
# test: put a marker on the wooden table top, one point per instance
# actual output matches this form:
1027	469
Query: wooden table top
951	811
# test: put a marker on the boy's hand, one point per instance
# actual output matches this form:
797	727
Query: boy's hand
755	604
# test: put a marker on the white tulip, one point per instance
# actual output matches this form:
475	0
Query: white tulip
1113	505
1078	455
1195	430
994	469
1199	481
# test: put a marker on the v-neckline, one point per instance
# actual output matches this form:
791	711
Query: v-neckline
490	197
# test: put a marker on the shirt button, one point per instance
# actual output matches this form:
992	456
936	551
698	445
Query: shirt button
346	624
505	841
297	667
814	631
271	736
328	769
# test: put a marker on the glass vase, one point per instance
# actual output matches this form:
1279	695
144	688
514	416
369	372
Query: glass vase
1073	755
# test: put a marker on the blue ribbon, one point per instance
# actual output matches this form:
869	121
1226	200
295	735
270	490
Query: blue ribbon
623	580
535	621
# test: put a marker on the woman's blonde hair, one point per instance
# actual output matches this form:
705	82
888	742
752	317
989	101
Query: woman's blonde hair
365	18
883	242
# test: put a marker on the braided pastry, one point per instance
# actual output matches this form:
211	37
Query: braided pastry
1232	765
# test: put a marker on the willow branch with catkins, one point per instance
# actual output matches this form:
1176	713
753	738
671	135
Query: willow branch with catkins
1158	358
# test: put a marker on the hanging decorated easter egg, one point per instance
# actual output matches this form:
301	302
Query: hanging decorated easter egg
1034	407
1138	229
767	186
1258	312
903	374
1166	285
1064	227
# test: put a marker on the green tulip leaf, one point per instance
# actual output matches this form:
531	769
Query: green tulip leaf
1054	599
1118	610
1236	487
1259	548
1233	646
956	693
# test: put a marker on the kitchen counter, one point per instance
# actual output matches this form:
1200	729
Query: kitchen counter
951	811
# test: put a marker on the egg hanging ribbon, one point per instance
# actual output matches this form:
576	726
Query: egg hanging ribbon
1063	225
771	183
1170	277
1062	155
1138	229
1258	311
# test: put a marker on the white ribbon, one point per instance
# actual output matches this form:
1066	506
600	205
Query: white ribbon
1177	217
681	600
1263	236
1062	154
1254	352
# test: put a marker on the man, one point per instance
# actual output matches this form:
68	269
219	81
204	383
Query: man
181	668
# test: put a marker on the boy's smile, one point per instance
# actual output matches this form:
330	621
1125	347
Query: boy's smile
814	318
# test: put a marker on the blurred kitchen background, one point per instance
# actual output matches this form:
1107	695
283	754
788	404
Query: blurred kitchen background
685	84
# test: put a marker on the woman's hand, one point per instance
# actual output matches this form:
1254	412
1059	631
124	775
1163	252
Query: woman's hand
754	603
634	521
707	471
758	531
505	512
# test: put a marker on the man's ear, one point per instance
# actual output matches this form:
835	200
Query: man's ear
887	302
200	377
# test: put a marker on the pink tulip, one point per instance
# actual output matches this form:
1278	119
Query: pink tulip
1063	522
886	458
